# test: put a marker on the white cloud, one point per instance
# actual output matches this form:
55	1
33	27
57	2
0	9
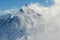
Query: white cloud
9	11
0	11
46	27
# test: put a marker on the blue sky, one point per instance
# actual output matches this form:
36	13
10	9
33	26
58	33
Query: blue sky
6	4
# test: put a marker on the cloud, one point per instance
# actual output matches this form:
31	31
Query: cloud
45	27
0	11
9	11
46	10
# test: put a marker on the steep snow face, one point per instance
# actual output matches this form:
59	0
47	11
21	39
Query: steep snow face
10	27
41	23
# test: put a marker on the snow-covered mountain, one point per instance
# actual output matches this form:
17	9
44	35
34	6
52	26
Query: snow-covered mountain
31	22
19	26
